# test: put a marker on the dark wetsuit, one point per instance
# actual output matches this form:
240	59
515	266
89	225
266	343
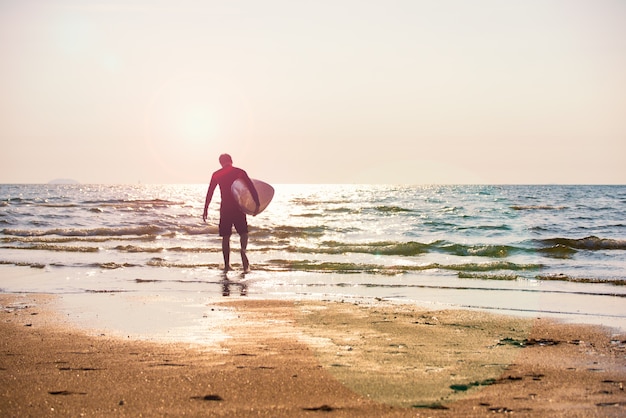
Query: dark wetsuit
230	214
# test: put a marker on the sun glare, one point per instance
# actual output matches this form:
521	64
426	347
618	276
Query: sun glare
192	116
197	125
181	120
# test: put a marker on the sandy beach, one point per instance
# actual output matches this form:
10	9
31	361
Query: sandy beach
312	358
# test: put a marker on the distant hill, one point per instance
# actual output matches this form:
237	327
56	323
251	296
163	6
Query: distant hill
63	181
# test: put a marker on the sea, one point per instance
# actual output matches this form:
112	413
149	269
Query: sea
530	250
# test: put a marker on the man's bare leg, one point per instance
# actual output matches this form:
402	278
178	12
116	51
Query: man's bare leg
244	258
226	252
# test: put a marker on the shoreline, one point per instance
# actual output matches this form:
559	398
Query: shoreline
301	358
95	293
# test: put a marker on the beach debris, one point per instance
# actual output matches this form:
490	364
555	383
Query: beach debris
431	406
167	364
542	342
501	410
464	387
324	408
65	392
611	404
212	397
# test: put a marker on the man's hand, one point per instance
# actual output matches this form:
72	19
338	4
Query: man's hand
204	216
256	211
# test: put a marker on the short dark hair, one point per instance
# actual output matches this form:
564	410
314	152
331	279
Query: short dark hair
225	159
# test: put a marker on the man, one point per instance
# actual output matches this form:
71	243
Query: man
230	213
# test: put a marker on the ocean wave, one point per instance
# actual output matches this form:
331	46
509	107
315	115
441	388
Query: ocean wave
287	231
375	248
587	243
112	265
502	227
492	271
558	251
372	229
483	276
60	240
440	225
178	249
23	264
194	249
304	201
136	249
382	248
566	278
537	207
335	267
141	230
342	210
195	229
347	267
282	239
315	201
619	225
161	262
496	251
496	265
58	205
392	209
503	268
309	215
134	203
60	248
14	200
410	248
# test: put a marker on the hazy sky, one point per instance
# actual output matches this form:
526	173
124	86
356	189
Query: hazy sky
338	91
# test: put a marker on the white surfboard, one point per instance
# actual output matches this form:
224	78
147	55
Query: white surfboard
244	197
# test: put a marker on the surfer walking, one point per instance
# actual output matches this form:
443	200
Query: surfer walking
230	213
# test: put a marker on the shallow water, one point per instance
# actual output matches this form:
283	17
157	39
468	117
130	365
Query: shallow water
530	250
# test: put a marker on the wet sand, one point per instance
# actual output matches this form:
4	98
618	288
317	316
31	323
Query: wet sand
285	358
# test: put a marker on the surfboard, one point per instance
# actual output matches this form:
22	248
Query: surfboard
244	197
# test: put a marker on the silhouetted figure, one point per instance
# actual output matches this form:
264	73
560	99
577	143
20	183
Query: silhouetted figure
230	213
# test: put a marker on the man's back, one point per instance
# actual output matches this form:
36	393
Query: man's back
225	177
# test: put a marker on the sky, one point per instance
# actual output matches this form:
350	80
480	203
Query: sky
324	91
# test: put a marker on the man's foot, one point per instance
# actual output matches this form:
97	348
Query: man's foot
227	269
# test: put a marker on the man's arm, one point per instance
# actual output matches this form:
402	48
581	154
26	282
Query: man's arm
253	192
209	196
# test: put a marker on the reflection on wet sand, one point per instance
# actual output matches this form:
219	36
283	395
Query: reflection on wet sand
228	284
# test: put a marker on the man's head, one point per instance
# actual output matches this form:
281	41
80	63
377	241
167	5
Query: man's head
226	160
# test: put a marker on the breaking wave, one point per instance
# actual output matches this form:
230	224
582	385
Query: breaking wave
590	243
